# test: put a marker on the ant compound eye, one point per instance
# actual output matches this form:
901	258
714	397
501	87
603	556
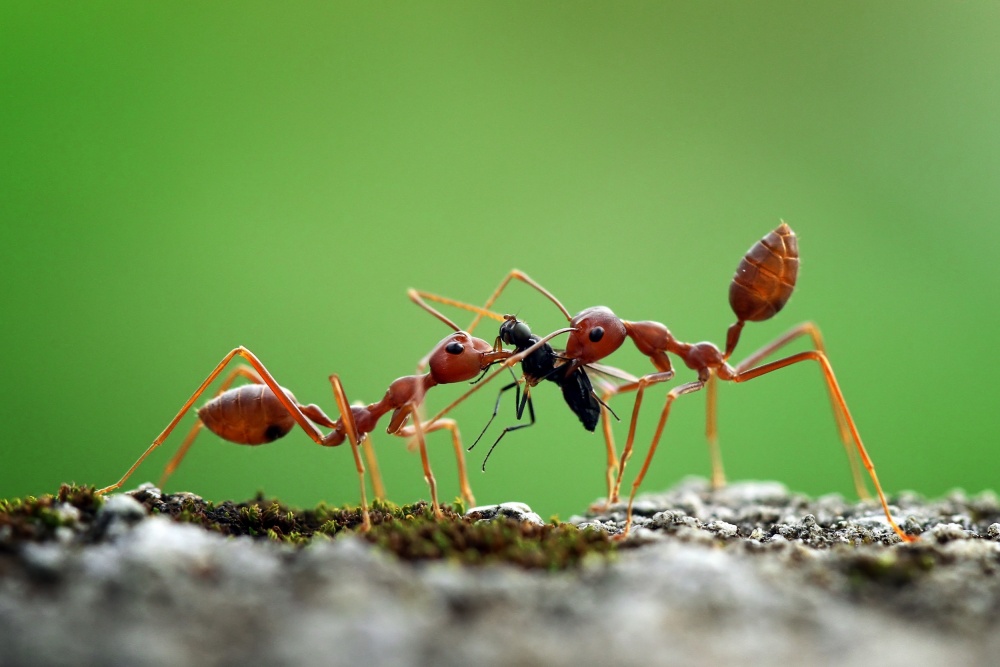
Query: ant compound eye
522	330
596	334
454	348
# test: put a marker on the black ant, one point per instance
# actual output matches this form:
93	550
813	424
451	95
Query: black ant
542	364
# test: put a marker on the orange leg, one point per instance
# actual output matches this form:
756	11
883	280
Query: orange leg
419	426
640	389
378	488
611	465
417	430
456	440
265	377
351	429
418	297
838	396
811	330
240	371
516	274
671	396
712	432
715	454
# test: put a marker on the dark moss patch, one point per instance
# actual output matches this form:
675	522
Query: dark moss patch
409	531
551	547
895	568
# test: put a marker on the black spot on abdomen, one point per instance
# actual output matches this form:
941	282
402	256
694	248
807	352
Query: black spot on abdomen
273	432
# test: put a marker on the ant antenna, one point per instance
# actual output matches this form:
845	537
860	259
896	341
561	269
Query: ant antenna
598	399
416	298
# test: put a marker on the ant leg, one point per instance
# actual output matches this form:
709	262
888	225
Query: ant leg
611	466
351	429
378	488
514	274
516	385
834	387
712	431
688	388
169	469
718	473
811	330
417	297
508	429
240	371
640	388
417	431
456	441
265	377
316	414
611	463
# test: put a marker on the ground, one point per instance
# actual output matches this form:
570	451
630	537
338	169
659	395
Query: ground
751	574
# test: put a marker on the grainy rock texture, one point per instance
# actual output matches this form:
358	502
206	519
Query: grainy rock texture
748	575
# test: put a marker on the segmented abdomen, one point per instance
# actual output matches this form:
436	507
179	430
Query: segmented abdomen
766	276
248	415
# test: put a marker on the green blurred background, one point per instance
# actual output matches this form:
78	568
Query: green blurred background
178	179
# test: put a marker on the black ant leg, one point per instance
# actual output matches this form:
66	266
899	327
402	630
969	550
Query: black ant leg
531	416
516	384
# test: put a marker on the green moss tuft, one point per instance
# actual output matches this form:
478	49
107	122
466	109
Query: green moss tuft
32	519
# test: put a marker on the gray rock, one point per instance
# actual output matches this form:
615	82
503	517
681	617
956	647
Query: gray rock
514	511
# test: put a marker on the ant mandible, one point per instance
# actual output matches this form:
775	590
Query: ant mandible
264	411
763	283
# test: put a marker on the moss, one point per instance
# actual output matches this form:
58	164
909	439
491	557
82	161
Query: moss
32	519
894	569
409	531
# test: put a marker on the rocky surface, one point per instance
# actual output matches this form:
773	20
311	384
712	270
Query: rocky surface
748	575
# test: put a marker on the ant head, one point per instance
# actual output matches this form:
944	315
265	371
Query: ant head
515	332
461	357
597	332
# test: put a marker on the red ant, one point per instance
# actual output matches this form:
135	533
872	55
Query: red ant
264	411
763	283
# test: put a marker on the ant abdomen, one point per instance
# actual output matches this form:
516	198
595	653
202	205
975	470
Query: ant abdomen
766	276
248	415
